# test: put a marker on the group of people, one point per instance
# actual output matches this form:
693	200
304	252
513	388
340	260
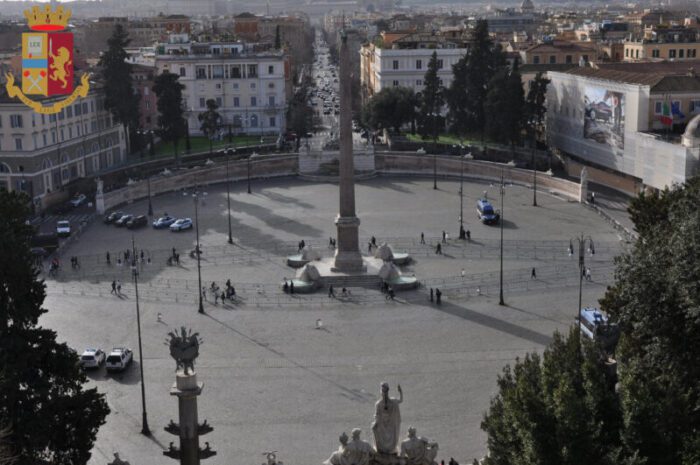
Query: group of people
74	263
55	265
388	290
372	244
331	243
142	257
229	292
174	258
436	295
345	292
301	245
116	288
463	234
288	287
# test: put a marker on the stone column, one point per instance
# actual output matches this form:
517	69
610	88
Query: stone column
347	256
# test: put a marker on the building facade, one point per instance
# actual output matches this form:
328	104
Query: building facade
39	154
612	120
250	87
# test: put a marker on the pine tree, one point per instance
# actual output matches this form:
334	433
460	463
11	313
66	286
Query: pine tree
535	108
120	97
210	122
53	419
504	106
171	124
432	100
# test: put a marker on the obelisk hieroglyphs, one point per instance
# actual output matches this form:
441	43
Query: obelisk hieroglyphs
347	255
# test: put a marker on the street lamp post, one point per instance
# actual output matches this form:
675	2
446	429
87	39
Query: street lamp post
198	250
145	430
150	204
534	172
582	270
228	193
249	159
434	171
462	232
500	300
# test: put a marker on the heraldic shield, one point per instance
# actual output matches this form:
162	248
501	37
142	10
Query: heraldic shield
47	63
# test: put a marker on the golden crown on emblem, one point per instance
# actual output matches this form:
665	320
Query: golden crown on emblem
45	19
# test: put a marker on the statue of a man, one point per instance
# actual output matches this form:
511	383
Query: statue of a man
418	450
387	422
359	451
340	457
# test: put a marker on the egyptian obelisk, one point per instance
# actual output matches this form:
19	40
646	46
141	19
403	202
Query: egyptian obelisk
347	255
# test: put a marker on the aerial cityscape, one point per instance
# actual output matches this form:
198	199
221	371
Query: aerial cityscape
349	232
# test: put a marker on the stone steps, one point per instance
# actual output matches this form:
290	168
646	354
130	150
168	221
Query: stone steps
341	281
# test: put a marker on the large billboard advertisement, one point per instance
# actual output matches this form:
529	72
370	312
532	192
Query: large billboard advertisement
604	117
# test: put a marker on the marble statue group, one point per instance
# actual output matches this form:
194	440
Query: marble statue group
413	450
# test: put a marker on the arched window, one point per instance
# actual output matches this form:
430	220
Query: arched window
79	152
65	158
95	147
4	168
46	164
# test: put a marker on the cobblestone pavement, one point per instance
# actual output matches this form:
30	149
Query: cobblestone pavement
273	381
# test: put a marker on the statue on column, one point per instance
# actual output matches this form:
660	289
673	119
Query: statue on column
387	422
418	450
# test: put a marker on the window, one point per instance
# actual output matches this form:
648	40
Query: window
273	121
76	109
536	60
440	64
236	102
627	52
569	59
77	127
16	121
70	132
636	53
18	143
43	138
254	121
655	53
182	71
658	108
53	137
63	135
253	101
33	120
218	87
235	72
201	72
271	69
252	71
52	118
395	65
69	113
271	100
202	102
695	106
672	53
252	85
271	85
419	64
681	52
235	86
419	82
552	59
85	108
396	83
217	72
218	101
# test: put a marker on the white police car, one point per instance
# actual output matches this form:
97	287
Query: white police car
119	359
92	358
181	224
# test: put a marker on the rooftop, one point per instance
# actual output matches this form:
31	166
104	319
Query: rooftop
659	78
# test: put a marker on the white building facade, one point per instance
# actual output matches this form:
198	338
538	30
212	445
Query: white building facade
40	154
250	88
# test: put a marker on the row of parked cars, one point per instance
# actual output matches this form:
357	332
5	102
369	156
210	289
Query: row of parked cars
118	359
120	219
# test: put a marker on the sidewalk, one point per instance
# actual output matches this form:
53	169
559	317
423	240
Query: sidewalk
613	205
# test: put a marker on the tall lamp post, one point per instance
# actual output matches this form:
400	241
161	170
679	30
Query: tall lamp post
434	171
198	250
228	192
150	204
145	430
462	232
249	159
534	171
503	191
582	240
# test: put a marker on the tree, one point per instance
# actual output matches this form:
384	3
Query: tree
470	84
120	97
504	106
300	114
53	419
390	109
558	409
210	122
535	108
655	300
171	123
432	100
278	40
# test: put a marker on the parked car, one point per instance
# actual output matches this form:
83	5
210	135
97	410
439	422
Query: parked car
137	222
63	228
112	217
119	359
163	222
78	200
92	358
123	220
182	223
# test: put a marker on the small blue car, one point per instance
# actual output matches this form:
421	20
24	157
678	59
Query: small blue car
486	213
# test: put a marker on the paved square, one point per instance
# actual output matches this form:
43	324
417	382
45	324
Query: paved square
274	382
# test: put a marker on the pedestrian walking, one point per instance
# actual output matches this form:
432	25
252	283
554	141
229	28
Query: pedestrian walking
431	294
331	292
177	258
114	288
374	241
444	234
119	287
533	274
438	296
369	247
291	287
438	249
204	293
592	198
173	253
119	262
469	235
447	236
422	238
588	274
108	260
216	297
142	255
285	288
462	273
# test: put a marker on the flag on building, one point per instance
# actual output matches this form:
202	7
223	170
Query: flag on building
676	110
666	116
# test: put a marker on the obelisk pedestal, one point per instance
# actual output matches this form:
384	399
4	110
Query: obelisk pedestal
347	257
